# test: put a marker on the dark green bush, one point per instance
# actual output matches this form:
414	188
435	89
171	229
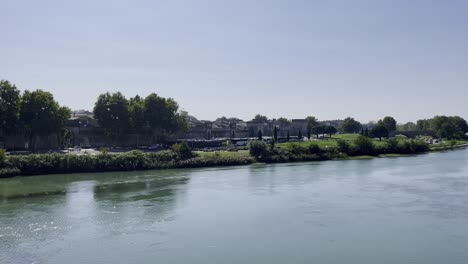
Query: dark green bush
314	148
182	150
364	145
343	146
258	149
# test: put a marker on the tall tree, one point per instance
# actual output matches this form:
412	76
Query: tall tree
9	106
330	130
41	115
260	118
283	122
311	122
379	131
163	116
350	125
389	123
260	135
275	133
112	113
137	113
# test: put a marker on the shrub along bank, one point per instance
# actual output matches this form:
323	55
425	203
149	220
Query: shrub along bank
179	156
313	152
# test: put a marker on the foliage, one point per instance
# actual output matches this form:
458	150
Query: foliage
364	145
182	150
389	123
258	149
9	106
40	114
311	122
379	131
260	118
283	122
314	148
410	126
350	125
2	157
343	146
112	112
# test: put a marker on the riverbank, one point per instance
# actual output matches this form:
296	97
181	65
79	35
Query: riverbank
361	148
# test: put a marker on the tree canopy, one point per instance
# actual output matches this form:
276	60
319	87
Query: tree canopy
350	126
40	114
9	106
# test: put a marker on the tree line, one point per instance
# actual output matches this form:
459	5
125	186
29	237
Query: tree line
36	113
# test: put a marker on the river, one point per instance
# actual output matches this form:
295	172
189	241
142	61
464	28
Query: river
384	210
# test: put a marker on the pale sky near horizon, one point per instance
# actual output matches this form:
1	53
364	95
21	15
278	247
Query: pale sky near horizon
330	59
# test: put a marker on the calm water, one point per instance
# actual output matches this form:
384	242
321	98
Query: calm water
392	210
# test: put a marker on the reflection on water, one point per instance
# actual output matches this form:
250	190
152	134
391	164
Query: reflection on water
394	210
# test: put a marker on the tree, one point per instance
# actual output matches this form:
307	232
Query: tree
260	136
112	113
283	122
389	123
299	135
410	126
41	115
379	131
137	113
319	130
311	122
350	126
260	118
9	106
163	115
275	133
288	137
330	130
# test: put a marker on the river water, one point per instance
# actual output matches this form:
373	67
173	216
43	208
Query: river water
384	210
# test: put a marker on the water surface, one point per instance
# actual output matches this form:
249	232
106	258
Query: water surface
387	210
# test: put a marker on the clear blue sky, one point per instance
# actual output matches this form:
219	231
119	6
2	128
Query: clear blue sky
331	59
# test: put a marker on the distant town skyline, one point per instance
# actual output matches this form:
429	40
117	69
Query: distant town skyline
364	59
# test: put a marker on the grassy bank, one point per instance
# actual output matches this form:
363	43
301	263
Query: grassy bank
38	164
180	156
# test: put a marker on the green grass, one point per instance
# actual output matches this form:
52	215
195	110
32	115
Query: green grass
447	144
328	142
241	153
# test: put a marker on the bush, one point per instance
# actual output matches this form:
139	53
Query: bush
314	149
2	157
364	145
258	149
182	150
343	146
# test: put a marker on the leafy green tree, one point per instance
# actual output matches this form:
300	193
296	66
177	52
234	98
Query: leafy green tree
163	116
350	125
112	113
275	133
319	130
423	125
137	113
311	122
283	122
410	126
260	118
389	123
330	130
379	131
41	115
9	106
